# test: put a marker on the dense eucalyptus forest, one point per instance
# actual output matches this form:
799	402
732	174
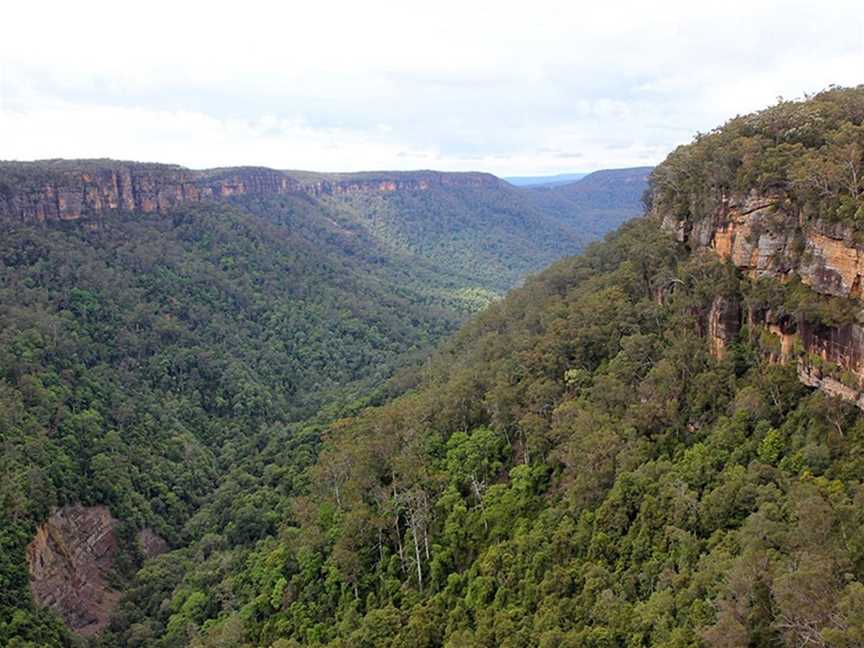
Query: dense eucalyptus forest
179	367
597	459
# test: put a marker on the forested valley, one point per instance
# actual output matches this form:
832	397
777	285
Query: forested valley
179	367
656	442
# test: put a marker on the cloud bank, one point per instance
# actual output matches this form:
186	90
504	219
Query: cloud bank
528	88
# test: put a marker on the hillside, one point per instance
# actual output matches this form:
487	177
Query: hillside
626	451
654	443
171	342
598	202
140	360
469	236
607	189
541	181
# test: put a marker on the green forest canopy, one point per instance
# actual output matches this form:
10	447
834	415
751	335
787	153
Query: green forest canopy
572	468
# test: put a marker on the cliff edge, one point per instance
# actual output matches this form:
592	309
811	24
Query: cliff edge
780	194
64	190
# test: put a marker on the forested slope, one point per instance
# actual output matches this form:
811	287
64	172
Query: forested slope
140	360
598	202
171	341
461	247
597	460
656	443
577	470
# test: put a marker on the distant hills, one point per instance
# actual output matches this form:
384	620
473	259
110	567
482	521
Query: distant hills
478	235
606	188
544	181
596	204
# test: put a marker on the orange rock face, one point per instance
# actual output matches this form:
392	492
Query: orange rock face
787	344
723	325
762	237
833	266
129	187
68	560
749	235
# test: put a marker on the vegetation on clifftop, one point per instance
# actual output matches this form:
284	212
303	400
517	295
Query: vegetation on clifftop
811	151
572	469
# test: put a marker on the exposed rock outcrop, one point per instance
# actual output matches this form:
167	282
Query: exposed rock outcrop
150	543
763	236
70	190
832	263
755	232
68	561
724	322
814	377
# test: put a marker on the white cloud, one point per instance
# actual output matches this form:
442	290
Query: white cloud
504	87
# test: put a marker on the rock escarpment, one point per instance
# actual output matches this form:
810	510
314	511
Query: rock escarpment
72	190
763	236
69	560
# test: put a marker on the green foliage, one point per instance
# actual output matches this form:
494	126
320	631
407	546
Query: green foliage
560	479
179	368
820	309
163	366
483	238
571	469
811	151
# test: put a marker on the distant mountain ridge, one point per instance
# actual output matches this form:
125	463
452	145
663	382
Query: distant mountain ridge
599	202
630	182
544	181
475	233
47	190
73	189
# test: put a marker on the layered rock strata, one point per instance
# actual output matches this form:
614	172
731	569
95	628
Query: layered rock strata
764	237
63	191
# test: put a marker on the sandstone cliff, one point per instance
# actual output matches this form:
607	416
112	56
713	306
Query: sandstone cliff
70	190
763	236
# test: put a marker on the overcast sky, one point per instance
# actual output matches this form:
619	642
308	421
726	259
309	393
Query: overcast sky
513	88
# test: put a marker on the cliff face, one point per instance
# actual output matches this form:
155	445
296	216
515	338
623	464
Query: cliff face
763	236
68	562
58	191
724	321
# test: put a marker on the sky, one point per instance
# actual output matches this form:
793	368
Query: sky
527	88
